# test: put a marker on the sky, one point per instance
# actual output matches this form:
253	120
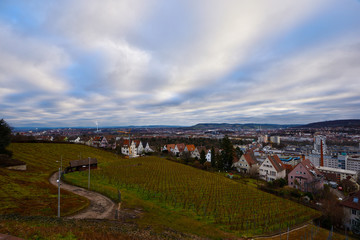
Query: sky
166	62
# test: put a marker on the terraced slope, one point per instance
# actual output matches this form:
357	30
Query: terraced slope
202	195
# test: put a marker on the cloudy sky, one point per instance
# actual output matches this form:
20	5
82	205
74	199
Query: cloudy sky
145	62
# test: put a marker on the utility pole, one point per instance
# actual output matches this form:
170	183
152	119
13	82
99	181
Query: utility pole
59	193
61	163
89	176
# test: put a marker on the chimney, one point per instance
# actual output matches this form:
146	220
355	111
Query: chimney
321	154
303	157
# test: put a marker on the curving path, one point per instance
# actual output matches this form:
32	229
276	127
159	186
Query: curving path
101	207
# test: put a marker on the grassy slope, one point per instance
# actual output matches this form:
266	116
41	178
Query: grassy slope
144	181
29	193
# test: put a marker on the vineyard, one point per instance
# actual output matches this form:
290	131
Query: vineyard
171	195
206	196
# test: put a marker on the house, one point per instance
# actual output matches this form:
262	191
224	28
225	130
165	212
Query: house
130	149
189	148
74	139
306	177
272	168
81	165
194	153
246	162
148	149
208	156
103	142
137	147
89	142
169	147
351	207
179	148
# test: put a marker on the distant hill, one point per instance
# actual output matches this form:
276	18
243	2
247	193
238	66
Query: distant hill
239	126
348	123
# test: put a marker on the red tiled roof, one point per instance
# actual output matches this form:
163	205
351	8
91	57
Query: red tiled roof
288	167
276	162
250	158
309	166
181	147
170	146
137	142
190	147
350	203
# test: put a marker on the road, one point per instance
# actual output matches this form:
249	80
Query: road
101	207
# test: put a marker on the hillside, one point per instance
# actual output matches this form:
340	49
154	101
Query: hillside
166	194
224	126
167	189
349	123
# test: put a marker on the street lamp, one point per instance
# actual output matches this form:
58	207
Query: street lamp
89	175
58	181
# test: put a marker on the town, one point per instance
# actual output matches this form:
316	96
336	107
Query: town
306	158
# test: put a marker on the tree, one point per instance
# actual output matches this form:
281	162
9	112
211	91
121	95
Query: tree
186	156
202	157
219	162
348	185
5	137
227	154
238	152
213	160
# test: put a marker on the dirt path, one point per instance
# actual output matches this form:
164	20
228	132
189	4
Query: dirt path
100	207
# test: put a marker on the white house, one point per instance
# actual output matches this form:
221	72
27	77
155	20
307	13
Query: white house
132	151
148	149
208	156
246	162
140	148
272	168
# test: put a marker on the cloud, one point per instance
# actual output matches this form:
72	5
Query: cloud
178	62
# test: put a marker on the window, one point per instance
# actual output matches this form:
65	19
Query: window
291	177
291	183
353	211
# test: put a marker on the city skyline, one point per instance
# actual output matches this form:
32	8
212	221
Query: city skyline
122	63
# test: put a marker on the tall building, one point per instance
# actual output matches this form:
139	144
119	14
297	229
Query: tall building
318	141
275	139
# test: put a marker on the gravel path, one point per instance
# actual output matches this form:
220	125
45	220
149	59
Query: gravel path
101	207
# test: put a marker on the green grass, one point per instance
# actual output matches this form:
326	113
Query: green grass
29	192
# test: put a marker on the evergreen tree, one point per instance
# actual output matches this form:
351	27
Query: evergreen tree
239	153
202	157
5	137
227	153
213	160
219	162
